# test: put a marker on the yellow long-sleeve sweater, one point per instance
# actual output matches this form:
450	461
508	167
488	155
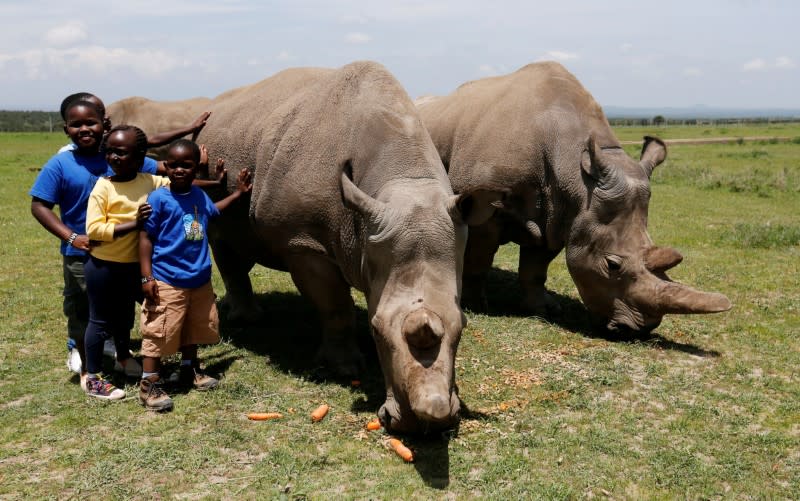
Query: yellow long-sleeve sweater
112	203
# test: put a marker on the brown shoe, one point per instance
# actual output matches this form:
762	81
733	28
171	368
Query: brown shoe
152	396
191	376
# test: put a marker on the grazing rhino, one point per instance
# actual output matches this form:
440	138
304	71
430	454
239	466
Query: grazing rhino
155	117
349	191
540	134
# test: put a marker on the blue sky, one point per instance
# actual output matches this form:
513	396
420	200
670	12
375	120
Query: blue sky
735	53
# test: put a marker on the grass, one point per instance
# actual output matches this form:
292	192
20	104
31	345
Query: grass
707	407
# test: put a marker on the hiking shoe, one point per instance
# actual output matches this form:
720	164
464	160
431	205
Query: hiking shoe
74	361
152	396
132	368
190	376
109	349
102	389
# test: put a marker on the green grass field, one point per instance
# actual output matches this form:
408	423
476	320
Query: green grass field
708	407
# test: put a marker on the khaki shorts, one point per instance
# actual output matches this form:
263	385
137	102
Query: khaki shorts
182	317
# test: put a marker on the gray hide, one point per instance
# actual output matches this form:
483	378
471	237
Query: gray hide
349	191
540	134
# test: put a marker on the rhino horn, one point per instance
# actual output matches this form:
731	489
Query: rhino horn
677	298
476	206
654	151
357	200
658	259
423	329
593	162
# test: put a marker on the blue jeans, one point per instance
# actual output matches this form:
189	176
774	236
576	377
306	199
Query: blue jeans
113	290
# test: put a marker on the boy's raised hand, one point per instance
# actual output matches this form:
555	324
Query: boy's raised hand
244	181
199	123
150	291
142	213
220	171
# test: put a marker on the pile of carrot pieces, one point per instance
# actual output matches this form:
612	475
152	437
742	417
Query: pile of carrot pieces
319	414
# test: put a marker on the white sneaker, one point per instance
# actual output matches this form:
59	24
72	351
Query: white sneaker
132	368
109	349
74	361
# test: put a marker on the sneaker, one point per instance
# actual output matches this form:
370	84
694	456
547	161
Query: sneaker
189	376
132	368
109	349
74	361
152	397
100	388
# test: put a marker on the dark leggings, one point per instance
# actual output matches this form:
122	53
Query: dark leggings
113	290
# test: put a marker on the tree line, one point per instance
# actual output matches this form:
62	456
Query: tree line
30	121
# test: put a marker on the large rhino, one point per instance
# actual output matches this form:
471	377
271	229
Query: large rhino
349	191
540	134
155	117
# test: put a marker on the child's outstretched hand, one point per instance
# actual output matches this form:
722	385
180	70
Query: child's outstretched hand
220	172
244	181
142	213
199	123
202	165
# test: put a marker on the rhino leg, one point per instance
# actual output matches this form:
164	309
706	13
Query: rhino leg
482	244
320	281
235	269
533	264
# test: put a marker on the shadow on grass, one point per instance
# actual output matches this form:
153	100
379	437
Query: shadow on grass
504	293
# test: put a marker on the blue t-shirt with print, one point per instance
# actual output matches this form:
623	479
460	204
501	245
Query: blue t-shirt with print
67	180
177	228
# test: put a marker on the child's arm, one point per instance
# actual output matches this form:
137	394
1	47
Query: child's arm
142	213
243	185
220	172
42	211
149	285
167	137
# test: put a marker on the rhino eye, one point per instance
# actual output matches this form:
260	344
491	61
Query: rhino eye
614	263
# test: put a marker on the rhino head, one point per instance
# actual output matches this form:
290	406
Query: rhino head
619	273
412	261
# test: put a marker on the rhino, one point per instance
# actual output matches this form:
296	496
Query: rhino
155	117
349	191
538	133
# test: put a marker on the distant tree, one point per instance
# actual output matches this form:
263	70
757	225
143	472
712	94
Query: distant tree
659	120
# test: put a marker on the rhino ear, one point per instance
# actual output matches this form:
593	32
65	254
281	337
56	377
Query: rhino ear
476	206
654	151
355	199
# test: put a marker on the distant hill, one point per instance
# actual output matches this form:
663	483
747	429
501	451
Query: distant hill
701	112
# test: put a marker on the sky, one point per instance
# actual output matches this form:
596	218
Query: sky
637	53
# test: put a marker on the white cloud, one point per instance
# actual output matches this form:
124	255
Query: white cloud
560	55
691	71
357	38
755	65
66	35
784	62
626	47
284	56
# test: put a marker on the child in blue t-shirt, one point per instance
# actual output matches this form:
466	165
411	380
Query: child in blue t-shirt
179	311
67	180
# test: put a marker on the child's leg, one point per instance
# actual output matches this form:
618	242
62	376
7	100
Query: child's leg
151	394
76	304
160	325
201	327
128	290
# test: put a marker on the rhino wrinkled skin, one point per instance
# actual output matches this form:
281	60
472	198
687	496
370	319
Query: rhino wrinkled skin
349	191
538	133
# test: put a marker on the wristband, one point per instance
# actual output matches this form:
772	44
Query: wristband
148	279
72	238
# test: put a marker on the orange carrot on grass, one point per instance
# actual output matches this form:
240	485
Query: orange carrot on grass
319	413
401	450
374	424
264	416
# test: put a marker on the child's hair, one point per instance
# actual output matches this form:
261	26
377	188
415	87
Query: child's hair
81	102
78	96
189	145
141	137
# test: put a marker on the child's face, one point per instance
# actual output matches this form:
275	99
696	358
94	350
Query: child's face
121	153
85	127
181	168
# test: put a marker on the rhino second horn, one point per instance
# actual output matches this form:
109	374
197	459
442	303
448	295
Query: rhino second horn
423	329
661	258
681	299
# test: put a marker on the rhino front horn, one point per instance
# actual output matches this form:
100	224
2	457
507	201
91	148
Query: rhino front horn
423	329
681	299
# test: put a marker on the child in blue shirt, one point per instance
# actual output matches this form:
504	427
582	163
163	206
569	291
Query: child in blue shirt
179	311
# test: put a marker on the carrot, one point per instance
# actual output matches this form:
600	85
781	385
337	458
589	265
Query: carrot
373	425
355	383
263	416
401	450
319	413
